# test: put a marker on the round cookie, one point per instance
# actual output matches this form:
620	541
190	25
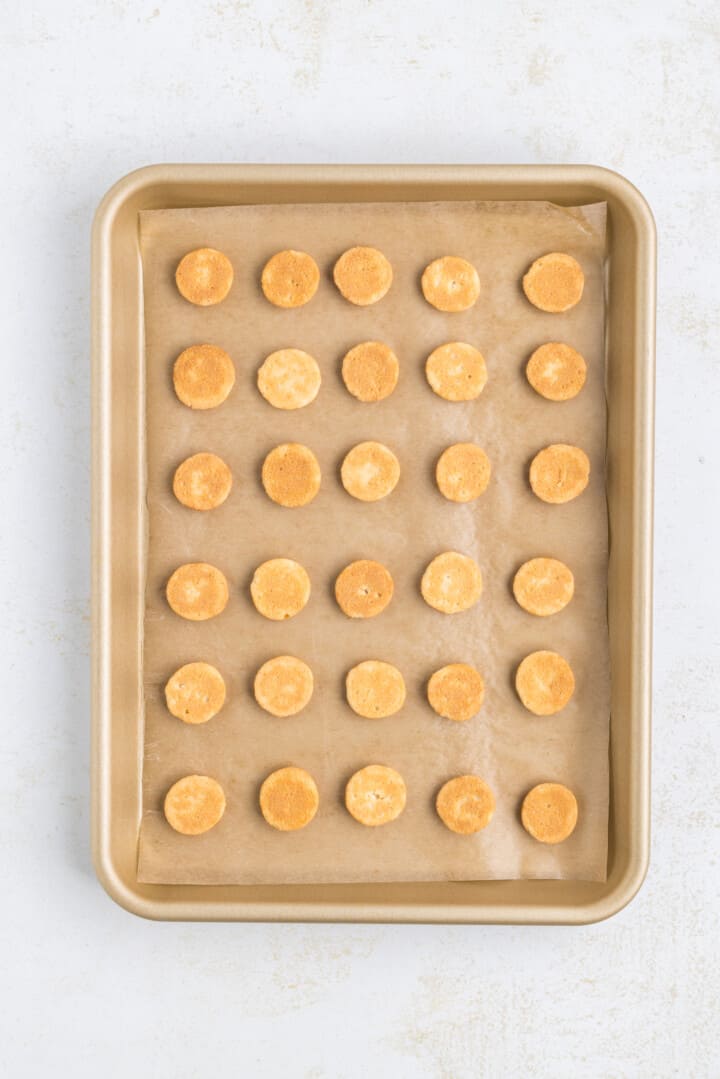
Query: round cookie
370	471
375	795
463	472
451	583
289	379
203	376
375	689
556	371
194	805
363	589
456	371
450	284
202	482
195	693
554	282
363	275
289	799
549	812
370	371
283	686
456	692
465	804
543	586
559	473
204	277
197	591
280	588
545	683
290	279
291	475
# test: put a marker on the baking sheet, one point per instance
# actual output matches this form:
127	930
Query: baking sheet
505	744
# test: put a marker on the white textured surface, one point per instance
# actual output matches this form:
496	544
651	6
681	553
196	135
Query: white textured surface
91	90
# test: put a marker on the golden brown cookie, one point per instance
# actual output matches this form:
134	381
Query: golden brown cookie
203	376
545	683
463	472
194	805
363	589
363	275
465	804
204	277
456	692
375	795
559	473
451	284
197	591
290	279
370	371
375	689
451	583
283	686
543	586
456	371
202	482
556	371
280	588
554	282
195	693
550	812
291	475
289	799
370	471
289	379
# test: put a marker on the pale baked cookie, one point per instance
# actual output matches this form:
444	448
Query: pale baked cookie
375	795
375	689
202	482
545	683
451	583
194	805
197	591
456	692
290	279
280	588
556	371
549	812
554	282
195	693
370	471
363	275
465	804
456	371
283	686
370	371
363	589
543	586
289	799
451	284
463	472
291	475
203	376
289	379
204	277
559	473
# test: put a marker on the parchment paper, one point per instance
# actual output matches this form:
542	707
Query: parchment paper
505	744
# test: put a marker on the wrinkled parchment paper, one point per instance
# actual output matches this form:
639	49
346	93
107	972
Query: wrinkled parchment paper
505	744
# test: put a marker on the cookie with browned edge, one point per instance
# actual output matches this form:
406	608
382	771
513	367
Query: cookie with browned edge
203	376
194	804
363	589
451	583
545	683
375	795
550	812
289	799
363	275
197	591
465	804
195	693
283	686
280	588
290	278
450	284
554	282
204	276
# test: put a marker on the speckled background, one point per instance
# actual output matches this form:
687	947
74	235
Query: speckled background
94	89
